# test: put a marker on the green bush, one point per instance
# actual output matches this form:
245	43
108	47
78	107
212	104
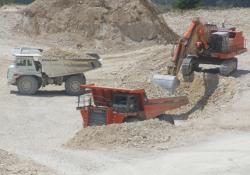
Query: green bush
187	4
2	2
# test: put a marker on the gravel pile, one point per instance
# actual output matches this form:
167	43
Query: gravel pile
136	134
137	20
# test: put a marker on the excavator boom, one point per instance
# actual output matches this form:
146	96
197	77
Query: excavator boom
193	38
185	45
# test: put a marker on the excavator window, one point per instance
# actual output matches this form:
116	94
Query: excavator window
121	100
125	103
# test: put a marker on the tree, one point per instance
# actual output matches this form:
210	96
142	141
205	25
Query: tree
2	2
187	4
24	1
163	2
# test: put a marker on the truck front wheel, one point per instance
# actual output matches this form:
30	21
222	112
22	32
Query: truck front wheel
27	85
72	85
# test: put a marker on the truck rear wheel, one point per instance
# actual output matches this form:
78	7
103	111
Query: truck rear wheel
27	85
132	120
167	118
72	85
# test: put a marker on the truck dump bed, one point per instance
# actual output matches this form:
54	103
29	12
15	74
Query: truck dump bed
61	63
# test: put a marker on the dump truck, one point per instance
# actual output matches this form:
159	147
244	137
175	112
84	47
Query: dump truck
203	44
107	105
32	70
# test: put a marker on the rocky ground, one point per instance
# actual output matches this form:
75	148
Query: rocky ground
42	128
10	165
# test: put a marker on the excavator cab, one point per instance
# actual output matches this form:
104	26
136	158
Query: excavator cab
125	103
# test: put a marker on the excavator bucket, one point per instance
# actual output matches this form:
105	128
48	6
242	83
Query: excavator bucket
168	82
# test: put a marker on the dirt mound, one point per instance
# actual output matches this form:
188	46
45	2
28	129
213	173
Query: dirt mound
133	70
98	19
125	135
207	91
10	164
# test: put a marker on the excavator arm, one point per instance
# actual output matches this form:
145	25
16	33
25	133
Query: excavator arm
192	42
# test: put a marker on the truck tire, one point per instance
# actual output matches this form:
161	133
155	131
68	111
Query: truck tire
72	85
27	85
132	120
167	118
39	85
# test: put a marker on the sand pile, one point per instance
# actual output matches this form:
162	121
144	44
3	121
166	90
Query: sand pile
122	135
160	134
133	70
61	54
98	19
206	91
10	164
68	54
149	134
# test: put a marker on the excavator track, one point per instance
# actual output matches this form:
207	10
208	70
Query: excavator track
187	69
228	67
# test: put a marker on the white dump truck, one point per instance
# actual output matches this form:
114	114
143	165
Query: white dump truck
32	70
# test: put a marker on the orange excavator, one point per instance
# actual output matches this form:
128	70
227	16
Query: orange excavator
203	44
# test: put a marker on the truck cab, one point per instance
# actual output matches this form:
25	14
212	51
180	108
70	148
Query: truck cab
24	64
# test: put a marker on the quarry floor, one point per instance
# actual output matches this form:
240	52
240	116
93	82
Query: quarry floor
35	128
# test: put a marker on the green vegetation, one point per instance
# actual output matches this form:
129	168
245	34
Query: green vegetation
228	3
2	2
187	4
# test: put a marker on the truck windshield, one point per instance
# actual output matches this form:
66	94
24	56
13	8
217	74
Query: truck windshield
23	62
29	63
20	62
